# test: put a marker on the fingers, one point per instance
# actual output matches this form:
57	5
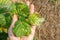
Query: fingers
32	33
11	35
28	3
15	18
31	8
30	37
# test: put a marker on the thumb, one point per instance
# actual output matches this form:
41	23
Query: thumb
14	18
33	28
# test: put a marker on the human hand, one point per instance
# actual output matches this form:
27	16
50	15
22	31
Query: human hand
30	37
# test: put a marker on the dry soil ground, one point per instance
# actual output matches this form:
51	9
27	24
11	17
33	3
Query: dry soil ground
50	29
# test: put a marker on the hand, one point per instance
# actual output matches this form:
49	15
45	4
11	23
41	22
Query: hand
30	37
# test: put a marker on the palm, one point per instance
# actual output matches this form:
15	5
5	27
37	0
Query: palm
30	37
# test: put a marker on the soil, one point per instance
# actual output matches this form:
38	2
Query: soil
50	29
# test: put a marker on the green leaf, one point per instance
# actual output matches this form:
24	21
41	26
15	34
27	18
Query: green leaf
3	10
35	19
22	10
2	20
35	38
8	20
21	28
5	3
